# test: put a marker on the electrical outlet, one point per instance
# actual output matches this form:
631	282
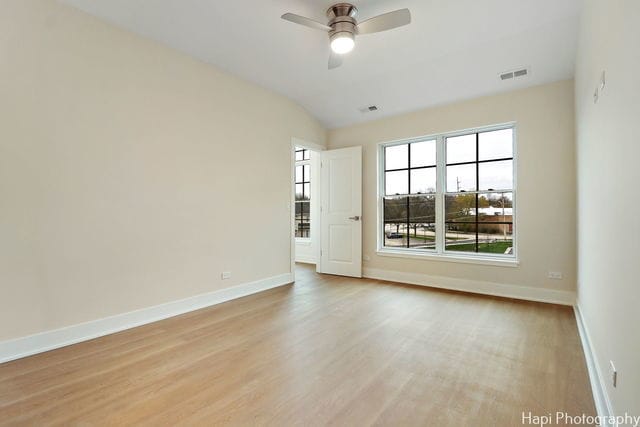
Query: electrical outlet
556	275
614	373
226	275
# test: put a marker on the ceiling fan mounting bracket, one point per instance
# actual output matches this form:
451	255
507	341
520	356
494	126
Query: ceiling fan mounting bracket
339	10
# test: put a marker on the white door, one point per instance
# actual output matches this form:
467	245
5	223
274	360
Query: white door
341	206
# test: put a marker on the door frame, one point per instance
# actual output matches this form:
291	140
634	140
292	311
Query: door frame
315	224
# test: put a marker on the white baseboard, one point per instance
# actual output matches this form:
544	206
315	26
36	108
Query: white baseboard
49	340
305	259
473	286
600	395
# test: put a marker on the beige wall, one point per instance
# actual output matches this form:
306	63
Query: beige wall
130	174
546	184
608	153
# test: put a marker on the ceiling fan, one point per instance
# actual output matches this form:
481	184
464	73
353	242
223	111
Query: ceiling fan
343	27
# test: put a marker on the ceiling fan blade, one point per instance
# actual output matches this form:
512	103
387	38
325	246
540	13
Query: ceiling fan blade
297	19
384	22
335	60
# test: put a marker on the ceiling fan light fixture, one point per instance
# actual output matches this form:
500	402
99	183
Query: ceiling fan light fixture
342	42
343	26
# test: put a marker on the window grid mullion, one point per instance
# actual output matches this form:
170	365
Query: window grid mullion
409	192
473	162
477	185
441	161
413	168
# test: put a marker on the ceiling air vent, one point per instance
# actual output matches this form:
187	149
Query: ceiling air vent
520	73
368	109
506	76
513	74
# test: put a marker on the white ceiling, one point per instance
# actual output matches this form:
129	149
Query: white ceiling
452	50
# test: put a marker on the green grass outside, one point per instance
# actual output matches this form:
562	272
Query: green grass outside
432	238
493	248
429	238
425	238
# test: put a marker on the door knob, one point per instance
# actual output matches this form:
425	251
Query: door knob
355	218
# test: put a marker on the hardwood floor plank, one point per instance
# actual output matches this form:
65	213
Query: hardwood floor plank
327	350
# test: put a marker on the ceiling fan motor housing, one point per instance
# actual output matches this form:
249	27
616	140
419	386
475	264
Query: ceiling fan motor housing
342	20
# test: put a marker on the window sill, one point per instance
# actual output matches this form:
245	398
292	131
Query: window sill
486	260
305	241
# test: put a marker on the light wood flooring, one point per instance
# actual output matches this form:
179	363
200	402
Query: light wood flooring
327	350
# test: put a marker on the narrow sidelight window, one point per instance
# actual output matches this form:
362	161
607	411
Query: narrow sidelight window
303	193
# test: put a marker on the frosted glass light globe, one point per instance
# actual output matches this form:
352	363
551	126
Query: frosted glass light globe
342	43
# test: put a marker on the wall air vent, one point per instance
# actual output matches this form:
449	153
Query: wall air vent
514	74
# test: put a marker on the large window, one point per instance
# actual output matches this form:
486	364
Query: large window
449	194
303	193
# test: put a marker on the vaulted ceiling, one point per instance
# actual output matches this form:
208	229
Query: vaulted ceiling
452	50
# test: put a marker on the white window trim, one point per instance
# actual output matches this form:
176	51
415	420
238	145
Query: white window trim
439	253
